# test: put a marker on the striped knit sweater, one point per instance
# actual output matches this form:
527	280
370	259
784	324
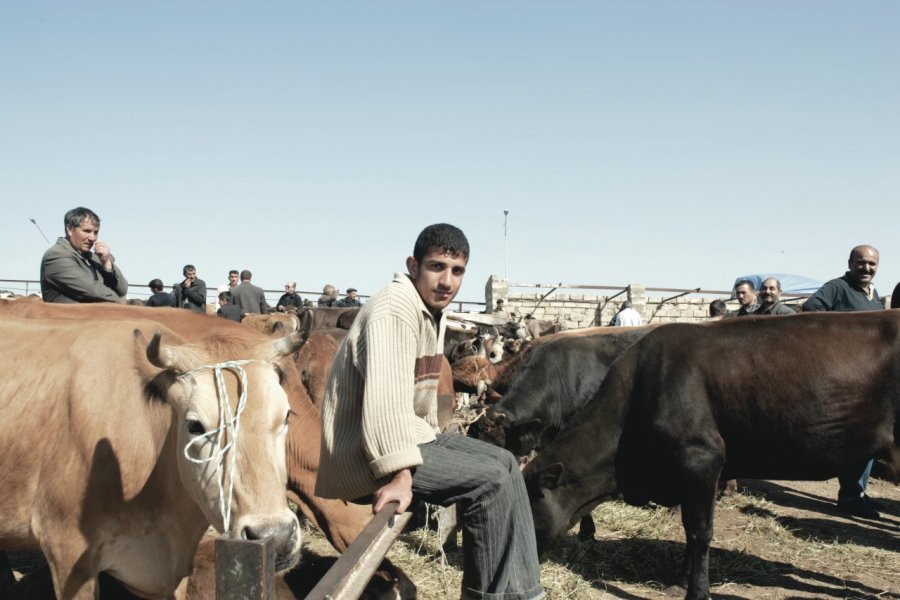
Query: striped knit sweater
381	397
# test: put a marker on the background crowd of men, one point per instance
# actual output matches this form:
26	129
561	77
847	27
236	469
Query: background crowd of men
79	267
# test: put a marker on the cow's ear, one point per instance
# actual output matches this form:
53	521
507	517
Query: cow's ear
551	475
289	343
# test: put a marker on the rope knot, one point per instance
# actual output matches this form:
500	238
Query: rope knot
228	420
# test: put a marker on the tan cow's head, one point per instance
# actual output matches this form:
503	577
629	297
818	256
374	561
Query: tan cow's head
231	422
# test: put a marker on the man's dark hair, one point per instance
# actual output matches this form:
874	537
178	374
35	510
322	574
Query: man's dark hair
246	275
444	237
156	285
744	282
233	272
75	217
226	295
187	268
717	308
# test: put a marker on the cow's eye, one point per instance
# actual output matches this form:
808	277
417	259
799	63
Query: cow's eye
195	427
287	420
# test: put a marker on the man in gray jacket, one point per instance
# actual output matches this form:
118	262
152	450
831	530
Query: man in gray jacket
80	267
248	297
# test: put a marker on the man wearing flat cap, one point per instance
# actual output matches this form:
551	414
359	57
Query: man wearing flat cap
349	300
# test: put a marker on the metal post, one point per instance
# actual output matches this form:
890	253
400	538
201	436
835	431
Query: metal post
505	247
39	229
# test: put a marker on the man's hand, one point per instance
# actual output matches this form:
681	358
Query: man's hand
399	488
101	250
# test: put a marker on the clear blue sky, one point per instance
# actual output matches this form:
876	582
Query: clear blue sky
676	144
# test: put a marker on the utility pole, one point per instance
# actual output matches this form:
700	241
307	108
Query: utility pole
505	247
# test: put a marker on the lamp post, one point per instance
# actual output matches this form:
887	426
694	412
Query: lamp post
39	229
505	247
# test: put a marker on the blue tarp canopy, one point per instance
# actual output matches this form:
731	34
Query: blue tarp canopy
790	284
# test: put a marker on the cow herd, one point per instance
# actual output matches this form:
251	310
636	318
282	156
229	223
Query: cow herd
129	431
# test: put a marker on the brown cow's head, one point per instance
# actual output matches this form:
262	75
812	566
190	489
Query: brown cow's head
230	426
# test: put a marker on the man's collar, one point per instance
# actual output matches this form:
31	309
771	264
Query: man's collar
407	280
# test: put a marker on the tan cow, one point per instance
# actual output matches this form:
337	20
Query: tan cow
109	448
340	521
272	323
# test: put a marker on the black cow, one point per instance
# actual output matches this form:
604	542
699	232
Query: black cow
558	376
687	404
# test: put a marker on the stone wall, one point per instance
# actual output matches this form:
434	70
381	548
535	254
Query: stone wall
575	310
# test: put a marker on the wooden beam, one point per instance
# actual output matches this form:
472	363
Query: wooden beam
347	578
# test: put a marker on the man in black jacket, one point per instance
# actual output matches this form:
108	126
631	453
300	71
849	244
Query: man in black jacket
191	293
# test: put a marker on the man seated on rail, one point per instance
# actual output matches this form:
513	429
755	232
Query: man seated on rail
80	267
380	439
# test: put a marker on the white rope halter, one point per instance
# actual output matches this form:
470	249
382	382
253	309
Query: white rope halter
227	420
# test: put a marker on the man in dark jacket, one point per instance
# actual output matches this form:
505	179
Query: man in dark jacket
227	310
349	301
290	298
191	293
770	295
159	297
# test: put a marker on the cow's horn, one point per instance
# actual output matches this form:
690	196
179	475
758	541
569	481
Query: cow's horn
161	356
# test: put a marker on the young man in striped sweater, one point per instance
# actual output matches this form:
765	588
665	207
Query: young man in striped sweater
380	440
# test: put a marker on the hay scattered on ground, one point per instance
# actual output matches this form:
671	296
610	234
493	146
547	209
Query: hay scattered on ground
760	550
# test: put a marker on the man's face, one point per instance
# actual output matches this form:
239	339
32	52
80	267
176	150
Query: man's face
769	292
863	265
745	294
232	279
351	295
437	277
190	274
84	236
289	288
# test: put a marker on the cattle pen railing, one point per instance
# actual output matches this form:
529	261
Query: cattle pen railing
245	570
26	287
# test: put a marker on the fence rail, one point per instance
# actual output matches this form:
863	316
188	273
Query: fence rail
26	287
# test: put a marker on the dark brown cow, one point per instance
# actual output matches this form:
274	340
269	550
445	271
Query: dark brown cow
686	405
558	376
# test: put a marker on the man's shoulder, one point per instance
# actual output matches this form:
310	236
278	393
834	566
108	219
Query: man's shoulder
59	249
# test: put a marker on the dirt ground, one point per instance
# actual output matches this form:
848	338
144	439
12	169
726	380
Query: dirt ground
813	569
775	540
